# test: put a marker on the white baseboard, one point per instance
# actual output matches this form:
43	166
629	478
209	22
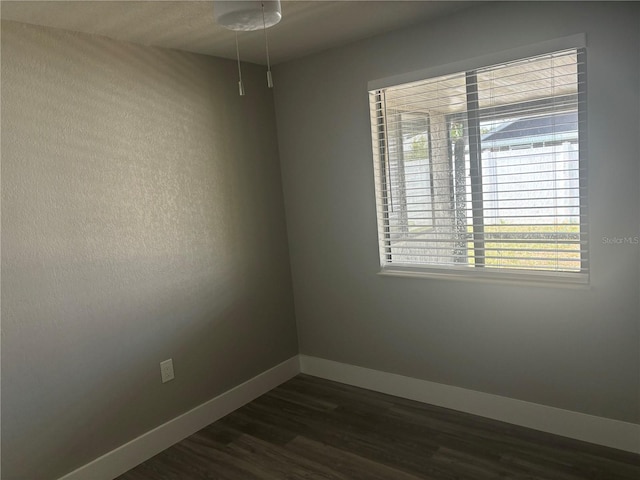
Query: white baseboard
589	428
580	426
160	438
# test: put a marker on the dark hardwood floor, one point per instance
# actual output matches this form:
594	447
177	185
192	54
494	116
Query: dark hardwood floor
315	429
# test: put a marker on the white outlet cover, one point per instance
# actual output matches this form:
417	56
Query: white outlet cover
166	370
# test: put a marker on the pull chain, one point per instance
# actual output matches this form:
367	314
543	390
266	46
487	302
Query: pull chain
266	43
240	84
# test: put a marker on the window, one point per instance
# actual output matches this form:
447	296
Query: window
483	171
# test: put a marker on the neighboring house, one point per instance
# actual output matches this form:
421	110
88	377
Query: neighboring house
530	142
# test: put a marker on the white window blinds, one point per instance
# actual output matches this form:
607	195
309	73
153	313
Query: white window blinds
485	168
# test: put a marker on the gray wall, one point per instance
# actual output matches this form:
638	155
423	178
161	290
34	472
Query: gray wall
576	349
142	219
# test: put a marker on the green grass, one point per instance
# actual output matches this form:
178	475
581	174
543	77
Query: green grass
550	254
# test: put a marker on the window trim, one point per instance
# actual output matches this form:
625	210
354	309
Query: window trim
501	275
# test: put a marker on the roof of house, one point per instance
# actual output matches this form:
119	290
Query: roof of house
556	127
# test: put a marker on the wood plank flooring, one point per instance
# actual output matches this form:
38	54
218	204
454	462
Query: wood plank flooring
314	429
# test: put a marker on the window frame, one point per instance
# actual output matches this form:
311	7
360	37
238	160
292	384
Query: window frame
469	68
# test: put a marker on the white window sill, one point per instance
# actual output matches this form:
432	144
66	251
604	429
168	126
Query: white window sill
478	275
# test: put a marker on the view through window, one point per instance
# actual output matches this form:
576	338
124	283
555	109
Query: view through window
485	168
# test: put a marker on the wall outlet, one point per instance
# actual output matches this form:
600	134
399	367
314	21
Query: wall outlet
166	370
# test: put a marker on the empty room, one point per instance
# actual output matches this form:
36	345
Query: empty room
320	240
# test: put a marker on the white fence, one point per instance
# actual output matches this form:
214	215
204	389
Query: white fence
540	183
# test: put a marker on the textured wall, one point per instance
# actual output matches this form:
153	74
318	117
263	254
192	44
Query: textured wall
142	219
569	348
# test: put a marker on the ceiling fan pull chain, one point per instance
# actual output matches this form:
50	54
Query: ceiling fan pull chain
240	84
266	43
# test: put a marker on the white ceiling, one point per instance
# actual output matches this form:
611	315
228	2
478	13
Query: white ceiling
306	26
